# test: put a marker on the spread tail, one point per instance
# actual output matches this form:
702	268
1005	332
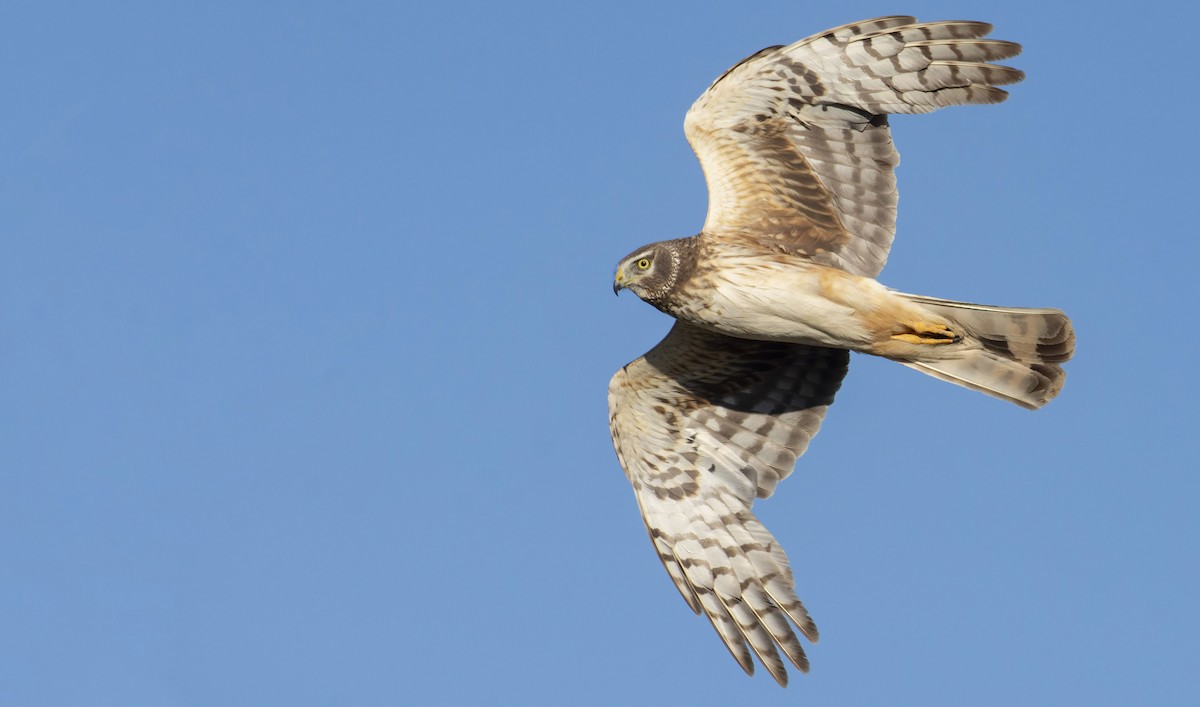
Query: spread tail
1007	352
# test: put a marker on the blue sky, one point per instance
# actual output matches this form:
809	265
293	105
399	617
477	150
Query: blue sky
306	325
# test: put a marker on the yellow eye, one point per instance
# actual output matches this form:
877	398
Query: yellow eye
643	263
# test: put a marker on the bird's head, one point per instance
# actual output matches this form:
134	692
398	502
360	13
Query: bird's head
650	272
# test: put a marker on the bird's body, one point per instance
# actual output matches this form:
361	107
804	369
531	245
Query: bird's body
746	293
780	297
779	286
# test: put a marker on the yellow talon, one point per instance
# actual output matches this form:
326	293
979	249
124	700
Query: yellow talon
927	333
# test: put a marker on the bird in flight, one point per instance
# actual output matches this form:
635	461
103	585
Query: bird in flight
776	290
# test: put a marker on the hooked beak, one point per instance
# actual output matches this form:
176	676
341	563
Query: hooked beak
618	282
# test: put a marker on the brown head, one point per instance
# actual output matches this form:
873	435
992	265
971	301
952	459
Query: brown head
653	272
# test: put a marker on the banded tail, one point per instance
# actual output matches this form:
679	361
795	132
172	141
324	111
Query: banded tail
1010	353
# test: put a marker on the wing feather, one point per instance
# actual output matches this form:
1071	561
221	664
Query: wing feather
794	140
703	424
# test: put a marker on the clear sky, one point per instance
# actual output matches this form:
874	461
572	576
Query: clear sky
306	326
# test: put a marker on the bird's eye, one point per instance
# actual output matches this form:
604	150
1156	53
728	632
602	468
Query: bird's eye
643	263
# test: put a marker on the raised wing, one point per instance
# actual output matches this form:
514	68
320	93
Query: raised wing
794	140
702	424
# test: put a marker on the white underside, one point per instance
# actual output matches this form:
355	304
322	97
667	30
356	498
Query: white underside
792	305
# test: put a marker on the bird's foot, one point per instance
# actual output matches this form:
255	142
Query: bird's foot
927	333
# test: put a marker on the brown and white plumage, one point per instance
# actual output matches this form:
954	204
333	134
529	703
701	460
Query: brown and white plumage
703	424
795	144
779	286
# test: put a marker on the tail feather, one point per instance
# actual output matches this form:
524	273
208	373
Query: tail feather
1007	352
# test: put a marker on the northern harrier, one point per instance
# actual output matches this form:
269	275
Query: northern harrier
775	291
